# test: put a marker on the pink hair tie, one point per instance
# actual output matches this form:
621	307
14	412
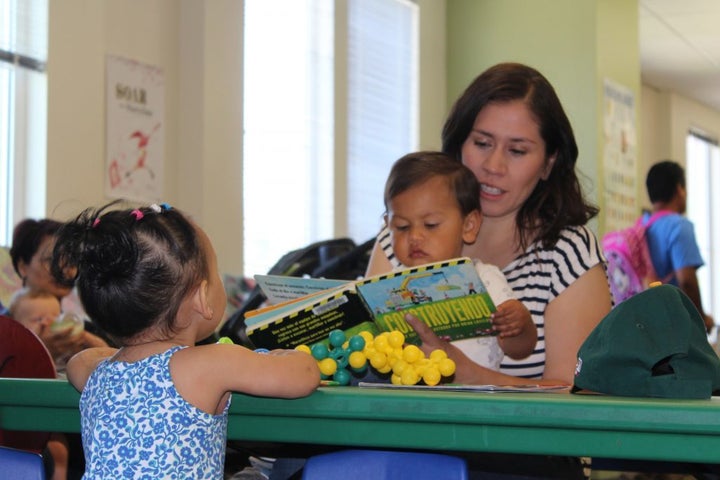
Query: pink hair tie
96	222
138	214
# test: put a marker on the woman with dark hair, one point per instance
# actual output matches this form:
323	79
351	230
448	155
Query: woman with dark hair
31	253
510	129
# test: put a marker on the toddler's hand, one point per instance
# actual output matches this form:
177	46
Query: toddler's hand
63	342
511	318
430	341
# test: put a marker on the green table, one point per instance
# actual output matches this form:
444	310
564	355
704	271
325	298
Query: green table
534	423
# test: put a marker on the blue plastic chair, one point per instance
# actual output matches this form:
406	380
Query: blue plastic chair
21	465
384	465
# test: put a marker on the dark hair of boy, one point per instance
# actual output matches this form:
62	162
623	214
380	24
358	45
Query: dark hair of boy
663	179
415	168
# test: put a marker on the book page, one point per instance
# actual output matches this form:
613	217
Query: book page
281	288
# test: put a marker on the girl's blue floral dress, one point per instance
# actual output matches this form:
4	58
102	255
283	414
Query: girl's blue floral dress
136	425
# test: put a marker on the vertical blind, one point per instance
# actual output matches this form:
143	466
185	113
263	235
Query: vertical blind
23	111
382	103
288	128
289	123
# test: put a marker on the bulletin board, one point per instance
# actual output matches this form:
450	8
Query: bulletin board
619	156
135	149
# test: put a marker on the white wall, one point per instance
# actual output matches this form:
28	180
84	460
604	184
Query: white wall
81	34
665	120
198	44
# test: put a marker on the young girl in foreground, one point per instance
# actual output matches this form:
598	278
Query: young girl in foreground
157	407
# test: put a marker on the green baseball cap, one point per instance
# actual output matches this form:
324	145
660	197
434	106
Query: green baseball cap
652	345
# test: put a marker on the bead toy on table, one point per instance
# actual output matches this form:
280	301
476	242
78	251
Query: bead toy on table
385	353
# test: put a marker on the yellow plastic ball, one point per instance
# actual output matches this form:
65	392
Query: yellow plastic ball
381	343
420	368
431	376
396	339
446	367
378	360
409	376
367	336
327	366
437	355
303	348
396	379
385	369
357	360
400	366
412	354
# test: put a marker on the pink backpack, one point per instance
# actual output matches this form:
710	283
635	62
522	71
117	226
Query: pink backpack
629	266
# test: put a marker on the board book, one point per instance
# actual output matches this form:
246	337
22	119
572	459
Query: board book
448	296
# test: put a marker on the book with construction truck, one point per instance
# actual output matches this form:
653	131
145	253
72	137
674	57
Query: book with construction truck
448	296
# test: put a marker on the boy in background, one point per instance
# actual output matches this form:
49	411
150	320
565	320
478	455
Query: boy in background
671	238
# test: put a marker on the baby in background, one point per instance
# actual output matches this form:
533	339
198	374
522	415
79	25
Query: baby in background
39	311
158	406
432	209
34	309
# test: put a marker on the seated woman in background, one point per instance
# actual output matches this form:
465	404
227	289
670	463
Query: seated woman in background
31	251
510	129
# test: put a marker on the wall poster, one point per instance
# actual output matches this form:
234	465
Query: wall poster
135	148
620	156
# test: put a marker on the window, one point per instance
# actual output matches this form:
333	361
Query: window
288	129
23	111
292	193
703	157
382	103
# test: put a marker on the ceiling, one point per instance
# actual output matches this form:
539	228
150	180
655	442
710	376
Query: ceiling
680	47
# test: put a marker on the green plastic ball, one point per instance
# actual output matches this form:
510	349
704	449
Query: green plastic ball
342	377
357	343
319	351
337	338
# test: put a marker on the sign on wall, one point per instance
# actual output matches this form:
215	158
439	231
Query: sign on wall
619	157
135	148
